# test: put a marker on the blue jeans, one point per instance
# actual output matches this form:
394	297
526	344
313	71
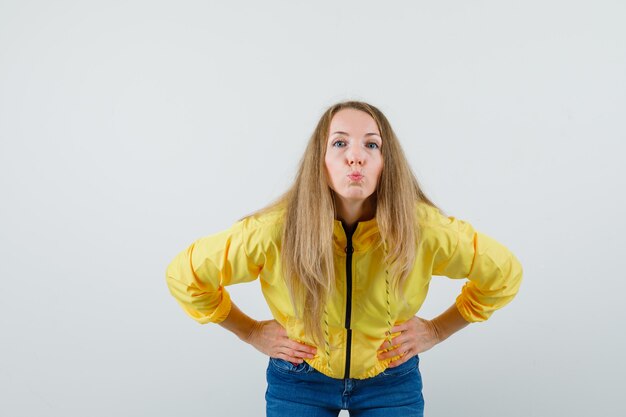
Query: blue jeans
300	390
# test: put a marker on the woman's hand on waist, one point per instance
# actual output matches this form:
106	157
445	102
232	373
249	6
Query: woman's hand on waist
270	338
417	335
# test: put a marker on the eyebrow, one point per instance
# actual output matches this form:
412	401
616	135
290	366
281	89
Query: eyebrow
346	133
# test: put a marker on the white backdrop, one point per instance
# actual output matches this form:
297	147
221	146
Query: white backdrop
128	129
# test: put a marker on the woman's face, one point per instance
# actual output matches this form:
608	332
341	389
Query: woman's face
354	159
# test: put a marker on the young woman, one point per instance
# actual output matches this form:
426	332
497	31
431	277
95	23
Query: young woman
345	258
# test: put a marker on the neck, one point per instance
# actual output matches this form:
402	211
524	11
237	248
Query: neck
350	212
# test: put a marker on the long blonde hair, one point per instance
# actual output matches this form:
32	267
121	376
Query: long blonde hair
307	251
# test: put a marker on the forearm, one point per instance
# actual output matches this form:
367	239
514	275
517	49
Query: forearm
239	323
448	323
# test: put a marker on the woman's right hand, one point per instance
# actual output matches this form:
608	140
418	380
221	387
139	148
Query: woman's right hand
270	337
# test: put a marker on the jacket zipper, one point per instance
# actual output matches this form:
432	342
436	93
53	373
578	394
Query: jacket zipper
349	250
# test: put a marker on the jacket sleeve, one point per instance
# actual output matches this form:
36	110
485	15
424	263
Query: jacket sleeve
494	273
197	276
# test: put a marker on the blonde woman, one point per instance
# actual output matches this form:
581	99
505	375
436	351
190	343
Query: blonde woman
345	258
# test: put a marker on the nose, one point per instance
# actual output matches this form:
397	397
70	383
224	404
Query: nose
355	157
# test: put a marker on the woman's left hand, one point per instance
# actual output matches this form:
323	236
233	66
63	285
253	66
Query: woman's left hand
417	335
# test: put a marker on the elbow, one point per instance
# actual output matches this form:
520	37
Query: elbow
517	274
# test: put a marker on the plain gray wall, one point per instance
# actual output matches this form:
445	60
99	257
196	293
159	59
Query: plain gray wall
128	129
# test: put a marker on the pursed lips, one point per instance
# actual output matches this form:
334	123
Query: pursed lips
355	176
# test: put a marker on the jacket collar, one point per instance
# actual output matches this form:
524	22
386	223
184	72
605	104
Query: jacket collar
365	234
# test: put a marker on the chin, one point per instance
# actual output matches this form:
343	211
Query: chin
355	196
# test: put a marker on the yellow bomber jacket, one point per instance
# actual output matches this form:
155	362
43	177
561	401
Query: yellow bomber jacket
361	309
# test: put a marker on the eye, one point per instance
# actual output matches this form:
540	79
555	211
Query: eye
339	143
372	145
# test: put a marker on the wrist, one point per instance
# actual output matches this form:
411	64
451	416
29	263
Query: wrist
448	323
435	330
239	323
252	328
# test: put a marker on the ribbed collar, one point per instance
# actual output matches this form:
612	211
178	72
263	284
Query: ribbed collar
365	234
